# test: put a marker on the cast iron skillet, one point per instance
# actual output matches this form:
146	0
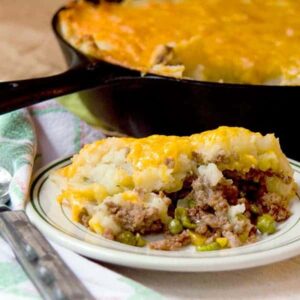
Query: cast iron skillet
138	106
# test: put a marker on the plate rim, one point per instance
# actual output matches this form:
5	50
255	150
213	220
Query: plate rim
150	262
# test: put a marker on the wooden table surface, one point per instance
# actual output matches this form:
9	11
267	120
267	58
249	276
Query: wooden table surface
29	49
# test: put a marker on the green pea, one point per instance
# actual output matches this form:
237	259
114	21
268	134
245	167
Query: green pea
140	241
181	215
209	247
191	203
127	237
175	226
179	212
186	222
266	224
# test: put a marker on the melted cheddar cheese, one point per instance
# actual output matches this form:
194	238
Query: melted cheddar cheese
249	41
118	165
240	148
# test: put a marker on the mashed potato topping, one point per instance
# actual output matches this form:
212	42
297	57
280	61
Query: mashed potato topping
244	41
131	185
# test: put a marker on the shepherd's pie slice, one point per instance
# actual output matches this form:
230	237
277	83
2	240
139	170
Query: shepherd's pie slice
220	188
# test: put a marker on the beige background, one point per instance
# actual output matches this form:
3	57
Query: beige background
28	49
27	46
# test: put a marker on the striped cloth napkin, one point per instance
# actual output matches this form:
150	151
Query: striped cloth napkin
29	139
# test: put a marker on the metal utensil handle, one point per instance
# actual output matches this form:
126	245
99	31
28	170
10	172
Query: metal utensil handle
48	272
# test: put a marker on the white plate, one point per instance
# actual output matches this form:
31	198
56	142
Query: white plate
55	222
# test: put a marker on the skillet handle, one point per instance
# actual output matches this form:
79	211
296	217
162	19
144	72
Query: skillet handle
22	93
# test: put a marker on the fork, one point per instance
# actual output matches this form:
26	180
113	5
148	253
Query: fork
48	272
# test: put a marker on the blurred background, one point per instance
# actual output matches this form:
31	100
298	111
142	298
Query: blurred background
28	47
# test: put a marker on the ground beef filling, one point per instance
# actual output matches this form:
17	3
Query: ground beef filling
172	242
252	187
136	218
212	204
211	211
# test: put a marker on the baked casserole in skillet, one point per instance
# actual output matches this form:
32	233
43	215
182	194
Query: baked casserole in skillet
221	188
235	41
